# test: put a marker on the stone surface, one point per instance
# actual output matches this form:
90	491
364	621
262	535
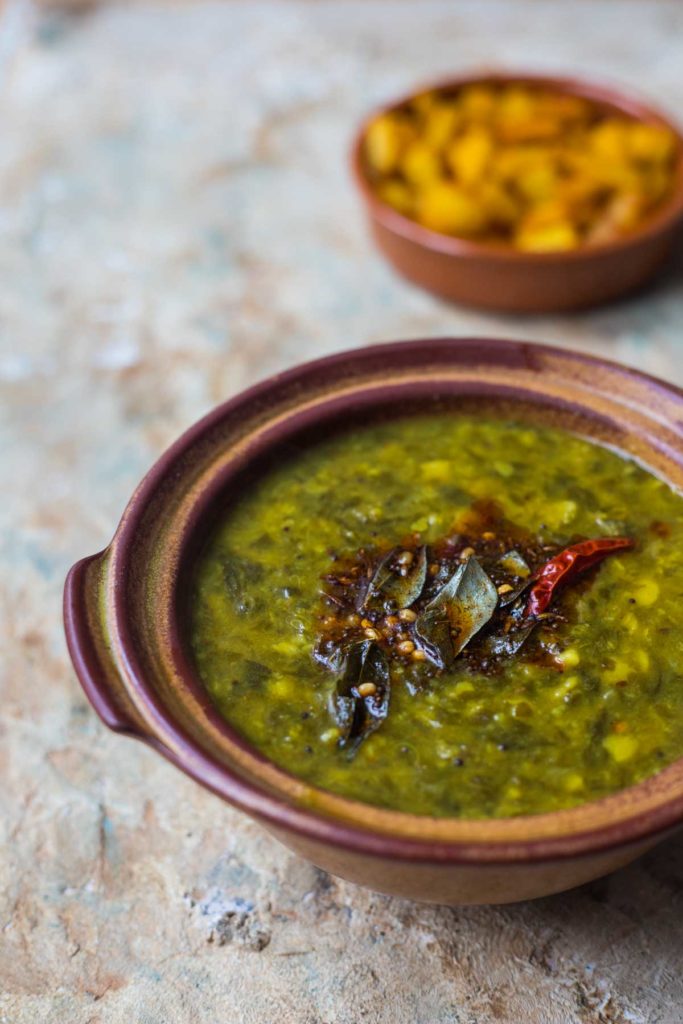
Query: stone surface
176	221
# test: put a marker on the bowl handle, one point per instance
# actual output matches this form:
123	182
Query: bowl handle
90	649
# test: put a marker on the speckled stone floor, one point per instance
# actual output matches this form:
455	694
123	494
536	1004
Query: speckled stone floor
177	221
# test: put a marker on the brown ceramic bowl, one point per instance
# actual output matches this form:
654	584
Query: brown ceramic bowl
493	276
125	613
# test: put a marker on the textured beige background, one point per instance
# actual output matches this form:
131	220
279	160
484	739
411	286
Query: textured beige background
176	221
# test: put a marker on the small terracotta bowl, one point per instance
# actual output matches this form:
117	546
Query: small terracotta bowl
125	613
497	276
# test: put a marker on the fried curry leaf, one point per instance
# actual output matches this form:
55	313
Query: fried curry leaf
238	575
357	717
503	644
460	609
389	586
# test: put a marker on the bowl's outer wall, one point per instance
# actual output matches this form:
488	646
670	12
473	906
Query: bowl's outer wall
484	282
459	884
517	282
127	639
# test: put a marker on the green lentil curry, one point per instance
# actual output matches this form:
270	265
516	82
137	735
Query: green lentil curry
590	702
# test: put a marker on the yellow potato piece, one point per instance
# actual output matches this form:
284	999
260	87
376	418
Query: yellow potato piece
609	140
497	203
468	156
557	237
424	101
478	101
396	194
620	748
440	125
448	208
385	140
651	142
537	181
420	164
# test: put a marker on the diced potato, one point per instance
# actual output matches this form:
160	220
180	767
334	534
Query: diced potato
437	471
468	156
478	101
547	237
609	140
536	128
396	194
620	748
424	101
619	671
385	141
516	103
573	782
448	208
650	142
420	164
569	657
646	593
497	203
537	182
441	123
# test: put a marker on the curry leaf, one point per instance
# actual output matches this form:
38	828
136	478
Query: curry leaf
506	644
460	609
388	586
356	716
380	577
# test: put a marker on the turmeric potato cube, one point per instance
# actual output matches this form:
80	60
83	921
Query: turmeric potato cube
608	140
469	155
448	208
478	101
537	182
498	205
420	164
397	194
441	123
651	143
558	236
385	141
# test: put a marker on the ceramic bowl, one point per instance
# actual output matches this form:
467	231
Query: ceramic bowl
125	614
493	276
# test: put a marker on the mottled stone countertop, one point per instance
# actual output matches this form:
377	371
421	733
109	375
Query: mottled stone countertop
177	221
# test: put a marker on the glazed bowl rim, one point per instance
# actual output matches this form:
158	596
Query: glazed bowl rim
274	808
665	216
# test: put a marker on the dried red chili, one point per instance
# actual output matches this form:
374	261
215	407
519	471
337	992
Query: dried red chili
569	563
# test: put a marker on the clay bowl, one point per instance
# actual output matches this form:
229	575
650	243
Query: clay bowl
491	276
125	613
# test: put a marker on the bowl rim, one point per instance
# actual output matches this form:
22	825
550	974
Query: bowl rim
274	808
667	215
